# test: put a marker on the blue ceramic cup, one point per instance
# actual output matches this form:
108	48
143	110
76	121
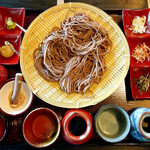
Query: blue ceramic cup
140	124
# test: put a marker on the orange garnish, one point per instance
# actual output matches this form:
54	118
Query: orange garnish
141	52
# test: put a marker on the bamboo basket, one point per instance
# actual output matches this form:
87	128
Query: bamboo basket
117	61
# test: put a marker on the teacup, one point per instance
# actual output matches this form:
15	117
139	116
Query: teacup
41	127
112	123
140	124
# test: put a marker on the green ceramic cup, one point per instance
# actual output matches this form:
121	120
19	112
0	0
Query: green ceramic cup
112	123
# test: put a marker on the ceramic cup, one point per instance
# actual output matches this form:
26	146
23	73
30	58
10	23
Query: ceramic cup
41	127
112	123
5	102
77	126
140	124
3	126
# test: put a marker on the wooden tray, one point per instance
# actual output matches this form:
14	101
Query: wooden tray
122	97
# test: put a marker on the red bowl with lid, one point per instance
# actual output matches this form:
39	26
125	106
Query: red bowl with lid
17	15
77	126
135	73
129	15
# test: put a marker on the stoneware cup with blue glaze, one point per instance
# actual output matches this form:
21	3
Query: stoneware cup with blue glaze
140	124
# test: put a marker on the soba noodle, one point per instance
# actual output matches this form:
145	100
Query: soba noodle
74	55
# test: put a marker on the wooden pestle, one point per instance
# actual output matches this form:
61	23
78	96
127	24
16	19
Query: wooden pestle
16	89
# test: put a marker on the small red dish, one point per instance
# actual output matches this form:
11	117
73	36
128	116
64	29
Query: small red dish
132	44
128	16
15	40
135	73
17	15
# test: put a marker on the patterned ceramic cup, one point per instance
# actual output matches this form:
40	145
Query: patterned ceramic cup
140	124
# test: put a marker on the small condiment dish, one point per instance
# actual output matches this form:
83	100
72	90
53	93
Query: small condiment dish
5	91
129	15
136	73
16	42
41	127
133	42
17	15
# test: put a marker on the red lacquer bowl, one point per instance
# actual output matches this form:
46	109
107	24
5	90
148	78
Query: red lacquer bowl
15	40
3	75
73	129
132	44
17	15
37	124
135	73
128	16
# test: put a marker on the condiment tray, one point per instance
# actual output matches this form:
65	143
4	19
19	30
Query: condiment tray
16	42
132	44
17	15
135	73
129	15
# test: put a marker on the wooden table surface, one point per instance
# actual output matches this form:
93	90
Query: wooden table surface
122	97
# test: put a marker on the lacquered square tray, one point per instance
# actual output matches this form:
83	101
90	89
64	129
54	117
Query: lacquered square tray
15	40
17	15
14	35
135	73
133	42
129	15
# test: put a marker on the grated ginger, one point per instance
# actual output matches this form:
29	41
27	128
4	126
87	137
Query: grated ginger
138	25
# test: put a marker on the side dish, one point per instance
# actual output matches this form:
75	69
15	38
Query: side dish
10	24
141	52
143	83
6	51
138	25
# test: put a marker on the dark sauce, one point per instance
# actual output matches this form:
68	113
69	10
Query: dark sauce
77	126
147	121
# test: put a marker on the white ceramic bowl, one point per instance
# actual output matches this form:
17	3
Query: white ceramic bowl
4	100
